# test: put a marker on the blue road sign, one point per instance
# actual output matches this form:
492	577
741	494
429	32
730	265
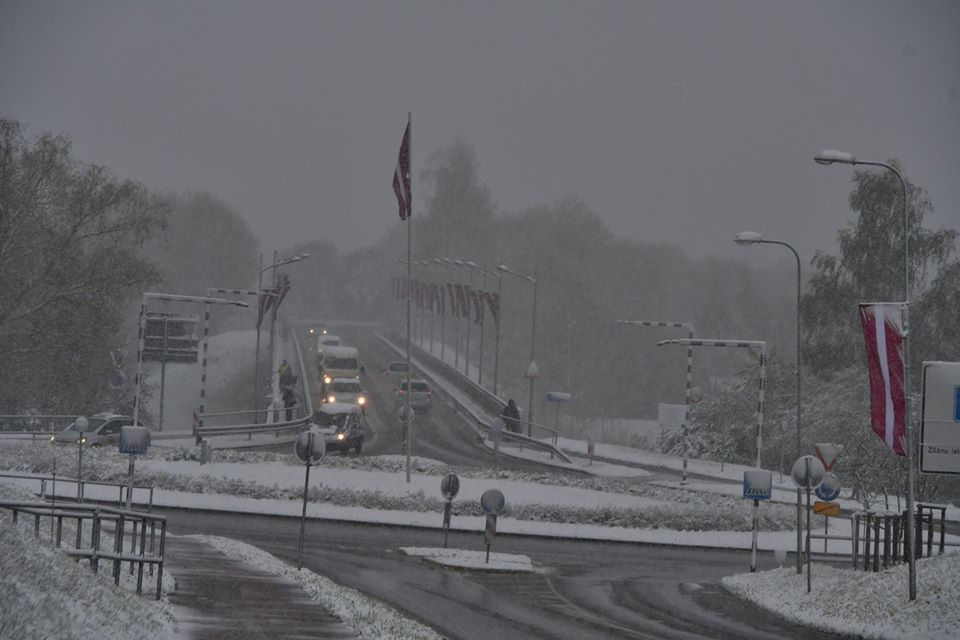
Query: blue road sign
829	488
956	404
757	484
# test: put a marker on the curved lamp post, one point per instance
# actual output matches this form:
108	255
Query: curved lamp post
831	156
747	238
532	371
256	360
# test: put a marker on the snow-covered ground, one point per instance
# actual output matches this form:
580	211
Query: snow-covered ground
707	514
45	592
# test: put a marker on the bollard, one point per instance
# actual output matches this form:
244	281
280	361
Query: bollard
876	543
855	538
866	543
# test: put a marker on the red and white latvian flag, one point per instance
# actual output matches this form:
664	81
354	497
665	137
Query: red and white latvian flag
401	176
883	333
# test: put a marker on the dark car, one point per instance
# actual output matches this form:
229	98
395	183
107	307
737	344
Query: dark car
342	425
100	429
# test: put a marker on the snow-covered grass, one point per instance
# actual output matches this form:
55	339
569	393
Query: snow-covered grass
46	594
864	605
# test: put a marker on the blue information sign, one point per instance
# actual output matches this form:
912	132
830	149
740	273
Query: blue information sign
956	404
757	484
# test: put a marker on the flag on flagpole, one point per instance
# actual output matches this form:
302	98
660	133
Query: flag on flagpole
401	176
883	333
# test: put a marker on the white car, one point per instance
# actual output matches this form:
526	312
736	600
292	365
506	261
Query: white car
99	429
347	390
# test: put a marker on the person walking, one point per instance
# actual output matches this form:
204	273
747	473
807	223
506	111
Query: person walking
289	401
511	416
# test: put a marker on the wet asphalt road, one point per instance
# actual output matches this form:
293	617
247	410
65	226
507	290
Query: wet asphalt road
585	589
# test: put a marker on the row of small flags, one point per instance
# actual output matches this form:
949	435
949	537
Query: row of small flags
464	300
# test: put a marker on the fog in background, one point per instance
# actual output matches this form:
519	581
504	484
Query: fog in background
683	122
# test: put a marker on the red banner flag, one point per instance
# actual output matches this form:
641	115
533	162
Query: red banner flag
493	301
883	333
401	176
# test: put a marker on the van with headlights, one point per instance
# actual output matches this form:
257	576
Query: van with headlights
339	362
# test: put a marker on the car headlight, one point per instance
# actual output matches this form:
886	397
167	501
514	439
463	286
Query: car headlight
331	398
83	439
341	436
326	379
53	439
361	400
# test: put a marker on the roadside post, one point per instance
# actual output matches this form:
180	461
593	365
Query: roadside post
496	432
81	440
310	449
449	488
406	415
492	502
827	491
590	450
53	496
757	486
134	441
807	473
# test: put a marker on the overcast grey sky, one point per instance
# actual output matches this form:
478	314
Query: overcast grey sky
678	121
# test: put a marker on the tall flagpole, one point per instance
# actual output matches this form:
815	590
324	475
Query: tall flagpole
407	414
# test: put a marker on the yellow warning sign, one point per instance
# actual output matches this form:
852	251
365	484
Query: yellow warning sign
827	508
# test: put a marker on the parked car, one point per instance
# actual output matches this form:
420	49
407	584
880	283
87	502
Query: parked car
97	430
342	426
346	390
421	396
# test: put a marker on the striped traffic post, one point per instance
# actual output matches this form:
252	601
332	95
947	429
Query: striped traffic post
738	344
211	292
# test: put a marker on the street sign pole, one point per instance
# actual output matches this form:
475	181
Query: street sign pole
807	546
753	545
303	513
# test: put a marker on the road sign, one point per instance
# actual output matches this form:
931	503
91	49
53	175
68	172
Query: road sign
558	396
940	427
757	484
490	531
402	414
829	488
310	447
696	395
450	486
134	440
492	501
671	416
827	453
533	371
807	472
826	509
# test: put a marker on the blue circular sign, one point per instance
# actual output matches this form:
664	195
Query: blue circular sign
829	489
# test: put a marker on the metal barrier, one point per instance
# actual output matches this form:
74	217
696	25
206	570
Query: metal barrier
490	404
150	555
246	429
42	492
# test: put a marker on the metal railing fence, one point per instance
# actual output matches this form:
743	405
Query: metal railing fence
100	548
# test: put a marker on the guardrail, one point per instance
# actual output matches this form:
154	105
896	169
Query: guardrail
247	429
53	480
121	519
489	404
34	425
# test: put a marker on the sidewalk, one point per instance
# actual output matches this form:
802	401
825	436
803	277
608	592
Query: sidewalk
219	598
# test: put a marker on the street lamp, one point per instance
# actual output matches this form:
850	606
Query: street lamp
829	157
256	360
532	371
747	238
447	262
460	264
496	323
